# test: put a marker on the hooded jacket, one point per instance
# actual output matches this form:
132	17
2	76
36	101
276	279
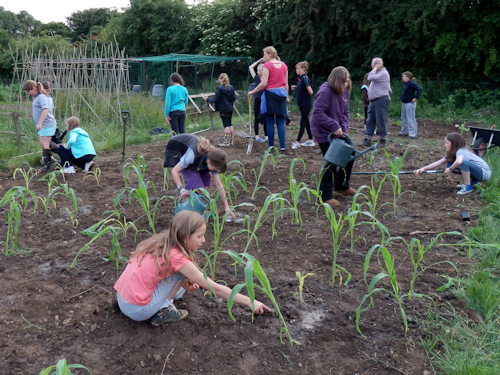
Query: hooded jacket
79	143
223	99
177	147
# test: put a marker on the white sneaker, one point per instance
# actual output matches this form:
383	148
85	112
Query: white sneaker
295	145
89	166
69	170
308	143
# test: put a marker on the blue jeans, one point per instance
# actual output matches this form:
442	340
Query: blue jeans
280	125
476	173
377	117
160	294
177	121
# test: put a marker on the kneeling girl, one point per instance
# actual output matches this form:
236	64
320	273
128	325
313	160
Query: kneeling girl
159	268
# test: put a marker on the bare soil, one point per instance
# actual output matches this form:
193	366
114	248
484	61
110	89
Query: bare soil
48	312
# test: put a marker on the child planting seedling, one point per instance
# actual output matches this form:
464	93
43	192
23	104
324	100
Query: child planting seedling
163	267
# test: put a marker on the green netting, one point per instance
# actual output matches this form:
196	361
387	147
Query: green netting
157	69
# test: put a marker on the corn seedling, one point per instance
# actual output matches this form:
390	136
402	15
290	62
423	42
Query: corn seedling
27	172
95	174
396	166
21	193
62	368
421	251
267	155
230	182
336	226
140	167
116	250
317	181
46	201
69	193
372	196
390	272
51	179
295	192
292	166
123	223
276	202
142	197
352	215
13	224
59	170
72	217
254	269
166	179
301	277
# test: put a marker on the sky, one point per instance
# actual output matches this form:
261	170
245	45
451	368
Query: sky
57	10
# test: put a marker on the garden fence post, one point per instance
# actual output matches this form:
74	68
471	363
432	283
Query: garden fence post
15	115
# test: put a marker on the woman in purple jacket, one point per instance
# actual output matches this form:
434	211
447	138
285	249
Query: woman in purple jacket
331	115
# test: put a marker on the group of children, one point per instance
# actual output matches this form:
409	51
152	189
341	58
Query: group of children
163	267
78	151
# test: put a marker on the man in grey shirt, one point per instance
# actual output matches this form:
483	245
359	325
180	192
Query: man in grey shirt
378	94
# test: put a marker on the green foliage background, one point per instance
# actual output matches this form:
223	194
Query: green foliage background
453	38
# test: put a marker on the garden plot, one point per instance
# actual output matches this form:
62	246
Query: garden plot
55	305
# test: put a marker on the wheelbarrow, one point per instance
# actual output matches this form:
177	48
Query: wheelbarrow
483	139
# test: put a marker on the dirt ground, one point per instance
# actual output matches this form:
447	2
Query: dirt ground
48	312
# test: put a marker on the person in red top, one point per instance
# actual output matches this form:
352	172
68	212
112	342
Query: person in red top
274	83
163	267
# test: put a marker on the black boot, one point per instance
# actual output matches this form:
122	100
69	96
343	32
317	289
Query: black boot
47	160
366	143
54	147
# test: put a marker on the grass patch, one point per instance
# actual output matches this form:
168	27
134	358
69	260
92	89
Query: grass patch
471	345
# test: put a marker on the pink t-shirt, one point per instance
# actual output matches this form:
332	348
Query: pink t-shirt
137	284
277	76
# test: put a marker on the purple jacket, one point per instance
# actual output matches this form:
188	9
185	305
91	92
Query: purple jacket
330	112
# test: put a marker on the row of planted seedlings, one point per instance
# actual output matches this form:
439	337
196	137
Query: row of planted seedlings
275	205
18	198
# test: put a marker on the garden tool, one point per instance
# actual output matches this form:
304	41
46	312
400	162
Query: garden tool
400	172
124	119
195	202
250	142
341	151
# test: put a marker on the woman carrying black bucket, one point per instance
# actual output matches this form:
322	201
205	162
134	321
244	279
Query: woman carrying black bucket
331	115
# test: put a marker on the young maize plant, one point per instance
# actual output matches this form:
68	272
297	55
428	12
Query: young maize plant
372	196
230	182
46	201
166	179
140	194
267	155
72	216
292	166
70	194
27	172
116	249
336	226
317	181
62	368
301	277
51	179
295	192
16	198
94	173
274	201
396	167
140	167
254	269
389	272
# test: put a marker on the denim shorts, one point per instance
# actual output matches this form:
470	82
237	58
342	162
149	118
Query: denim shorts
47	132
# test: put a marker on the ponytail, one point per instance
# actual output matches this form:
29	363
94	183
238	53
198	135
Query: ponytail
204	146
225	80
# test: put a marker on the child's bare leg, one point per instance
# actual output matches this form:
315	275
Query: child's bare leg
466	177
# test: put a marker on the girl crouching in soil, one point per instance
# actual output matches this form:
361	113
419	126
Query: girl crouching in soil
78	151
458	158
163	267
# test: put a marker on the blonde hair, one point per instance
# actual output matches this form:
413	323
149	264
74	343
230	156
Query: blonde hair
272	52
183	226
29	85
72	122
224	79
337	79
303	64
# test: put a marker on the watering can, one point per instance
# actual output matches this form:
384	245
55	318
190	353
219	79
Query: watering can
195	202
341	151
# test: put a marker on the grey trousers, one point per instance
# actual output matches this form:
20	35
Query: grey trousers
377	117
408	122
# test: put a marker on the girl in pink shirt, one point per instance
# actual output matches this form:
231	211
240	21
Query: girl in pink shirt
163	267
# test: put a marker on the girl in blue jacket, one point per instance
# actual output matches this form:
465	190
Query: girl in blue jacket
176	100
225	96
79	150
